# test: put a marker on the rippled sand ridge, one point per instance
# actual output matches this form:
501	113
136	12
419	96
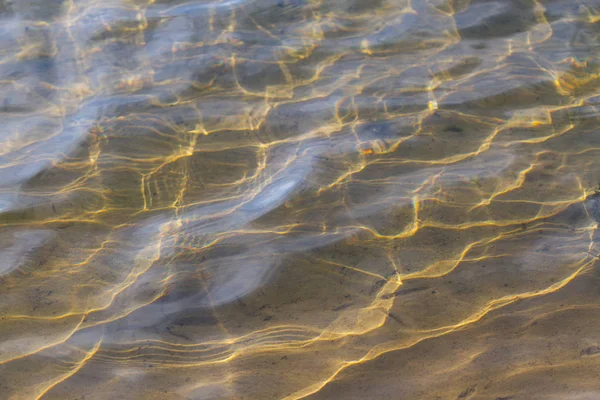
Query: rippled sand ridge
300	199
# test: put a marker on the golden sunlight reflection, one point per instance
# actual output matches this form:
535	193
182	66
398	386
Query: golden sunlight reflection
292	199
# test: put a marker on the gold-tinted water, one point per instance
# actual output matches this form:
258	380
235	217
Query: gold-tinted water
346	199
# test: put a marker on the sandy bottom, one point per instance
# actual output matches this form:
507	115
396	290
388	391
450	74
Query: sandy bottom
296	199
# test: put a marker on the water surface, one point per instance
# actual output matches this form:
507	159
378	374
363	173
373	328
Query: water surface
289	199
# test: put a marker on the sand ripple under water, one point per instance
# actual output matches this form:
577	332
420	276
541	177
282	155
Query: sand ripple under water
289	199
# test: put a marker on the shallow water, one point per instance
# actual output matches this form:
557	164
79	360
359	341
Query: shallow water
288	199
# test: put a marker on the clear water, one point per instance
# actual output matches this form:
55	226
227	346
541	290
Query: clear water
289	199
